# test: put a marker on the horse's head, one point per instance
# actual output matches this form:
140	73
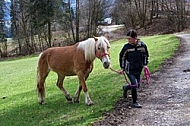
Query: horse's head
102	50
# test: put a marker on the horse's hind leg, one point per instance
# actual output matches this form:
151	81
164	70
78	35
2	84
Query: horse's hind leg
60	85
41	76
41	92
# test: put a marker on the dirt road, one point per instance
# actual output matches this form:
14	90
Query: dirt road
166	101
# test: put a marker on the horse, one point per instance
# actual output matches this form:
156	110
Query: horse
72	60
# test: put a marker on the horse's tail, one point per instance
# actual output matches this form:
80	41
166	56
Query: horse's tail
37	69
40	80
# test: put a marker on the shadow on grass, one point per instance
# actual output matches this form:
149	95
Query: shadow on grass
29	112
23	109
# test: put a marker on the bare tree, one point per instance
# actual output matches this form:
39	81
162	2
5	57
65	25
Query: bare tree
154	8
134	13
126	12
14	25
92	11
20	26
181	17
71	13
77	21
141	7
176	14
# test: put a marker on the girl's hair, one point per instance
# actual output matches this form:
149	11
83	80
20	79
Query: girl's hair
132	33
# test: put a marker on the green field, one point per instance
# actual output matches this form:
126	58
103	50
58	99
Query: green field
18	98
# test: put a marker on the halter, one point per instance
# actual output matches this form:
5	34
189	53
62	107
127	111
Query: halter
100	55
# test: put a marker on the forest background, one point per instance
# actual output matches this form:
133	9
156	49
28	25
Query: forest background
36	25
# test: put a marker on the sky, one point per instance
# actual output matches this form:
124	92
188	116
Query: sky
7	11
7	0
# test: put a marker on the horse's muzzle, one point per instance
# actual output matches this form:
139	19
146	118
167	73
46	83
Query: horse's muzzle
106	65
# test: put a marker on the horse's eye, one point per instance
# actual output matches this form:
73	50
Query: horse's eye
98	47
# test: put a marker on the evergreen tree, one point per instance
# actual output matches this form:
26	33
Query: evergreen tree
44	12
3	40
2	33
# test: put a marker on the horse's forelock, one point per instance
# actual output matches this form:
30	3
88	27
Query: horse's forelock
104	42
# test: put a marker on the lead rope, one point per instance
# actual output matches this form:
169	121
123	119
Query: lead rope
146	75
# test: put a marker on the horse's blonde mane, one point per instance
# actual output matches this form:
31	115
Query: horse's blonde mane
88	46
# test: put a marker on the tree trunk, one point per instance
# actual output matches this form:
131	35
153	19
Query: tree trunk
71	21
77	21
49	34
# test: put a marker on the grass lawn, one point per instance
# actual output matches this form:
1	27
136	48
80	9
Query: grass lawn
18	98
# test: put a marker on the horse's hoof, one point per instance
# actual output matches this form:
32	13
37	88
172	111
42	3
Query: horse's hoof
68	98
91	103
76	101
70	102
42	103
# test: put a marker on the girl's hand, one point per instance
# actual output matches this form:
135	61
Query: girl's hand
145	66
121	71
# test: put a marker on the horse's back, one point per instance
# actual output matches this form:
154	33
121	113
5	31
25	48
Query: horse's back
60	51
63	60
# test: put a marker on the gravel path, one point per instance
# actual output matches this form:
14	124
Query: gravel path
166	101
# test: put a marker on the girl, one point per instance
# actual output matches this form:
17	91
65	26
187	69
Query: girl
133	56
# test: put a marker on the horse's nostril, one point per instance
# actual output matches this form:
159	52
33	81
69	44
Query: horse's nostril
106	64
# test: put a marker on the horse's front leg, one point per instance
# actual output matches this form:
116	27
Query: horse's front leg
82	85
60	85
77	94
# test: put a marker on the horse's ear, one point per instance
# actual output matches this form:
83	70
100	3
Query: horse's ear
95	38
106	36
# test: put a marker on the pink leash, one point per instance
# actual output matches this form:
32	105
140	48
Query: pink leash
146	75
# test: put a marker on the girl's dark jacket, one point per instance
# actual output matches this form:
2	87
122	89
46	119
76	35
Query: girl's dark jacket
132	58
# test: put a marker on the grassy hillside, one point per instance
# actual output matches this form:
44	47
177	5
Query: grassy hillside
18	98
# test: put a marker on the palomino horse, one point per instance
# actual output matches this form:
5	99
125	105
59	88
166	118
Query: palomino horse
69	61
